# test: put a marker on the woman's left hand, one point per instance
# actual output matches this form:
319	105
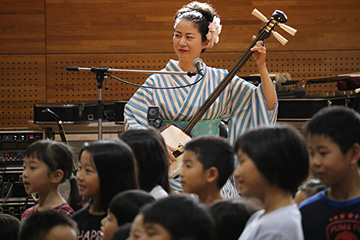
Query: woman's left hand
259	52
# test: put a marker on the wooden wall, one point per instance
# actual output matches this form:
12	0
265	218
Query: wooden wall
39	38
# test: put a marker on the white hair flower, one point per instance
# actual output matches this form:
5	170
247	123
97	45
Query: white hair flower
214	31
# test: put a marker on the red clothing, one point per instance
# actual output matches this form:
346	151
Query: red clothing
63	208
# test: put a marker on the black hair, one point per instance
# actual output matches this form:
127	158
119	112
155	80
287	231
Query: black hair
201	14
151	155
126	205
214	151
311	187
39	224
57	155
341	124
123	232
279	153
230	217
180	210
116	167
9	227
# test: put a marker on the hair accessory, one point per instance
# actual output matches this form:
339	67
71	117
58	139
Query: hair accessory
72	176
214	31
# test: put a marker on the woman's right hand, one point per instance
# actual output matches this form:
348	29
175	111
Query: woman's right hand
170	153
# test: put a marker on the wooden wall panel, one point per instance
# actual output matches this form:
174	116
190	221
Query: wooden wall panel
23	84
42	37
22	26
146	26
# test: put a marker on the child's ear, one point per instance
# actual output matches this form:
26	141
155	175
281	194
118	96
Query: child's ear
57	176
212	174
355	154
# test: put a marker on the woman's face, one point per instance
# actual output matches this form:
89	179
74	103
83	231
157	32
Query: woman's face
187	41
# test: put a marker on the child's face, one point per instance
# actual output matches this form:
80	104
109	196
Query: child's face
192	174
87	177
154	231
248	179
327	161
109	225
36	176
137	230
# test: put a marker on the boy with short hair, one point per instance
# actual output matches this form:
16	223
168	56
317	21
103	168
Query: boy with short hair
208	162
334	147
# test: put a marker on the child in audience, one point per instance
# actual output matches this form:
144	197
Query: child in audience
230	217
177	217
152	159
9	227
207	164
137	230
308	189
123	208
47	163
273	162
48	225
123	232
106	168
334	146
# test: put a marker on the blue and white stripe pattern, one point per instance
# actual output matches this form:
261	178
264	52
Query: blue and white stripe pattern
241	103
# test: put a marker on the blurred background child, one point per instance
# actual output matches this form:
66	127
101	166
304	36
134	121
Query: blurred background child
152	159
308	189
177	217
9	227
273	162
48	225
230	217
123	208
48	163
106	168
334	146
208	163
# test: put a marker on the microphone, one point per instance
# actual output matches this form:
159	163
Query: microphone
199	64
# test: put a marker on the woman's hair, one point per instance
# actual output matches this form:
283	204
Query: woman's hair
214	151
279	153
201	14
151	155
116	168
126	205
57	155
180	210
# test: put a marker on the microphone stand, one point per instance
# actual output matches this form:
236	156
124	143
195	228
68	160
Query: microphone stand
101	74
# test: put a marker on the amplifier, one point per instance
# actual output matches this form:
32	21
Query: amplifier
16	207
13	198
79	112
302	109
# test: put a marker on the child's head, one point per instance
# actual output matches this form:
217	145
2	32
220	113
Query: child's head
151	155
308	189
340	124
209	156
177	217
107	167
122	209
51	159
274	156
230	217
48	224
9	227
334	144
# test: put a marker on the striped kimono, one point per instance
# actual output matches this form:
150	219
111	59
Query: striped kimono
241	104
